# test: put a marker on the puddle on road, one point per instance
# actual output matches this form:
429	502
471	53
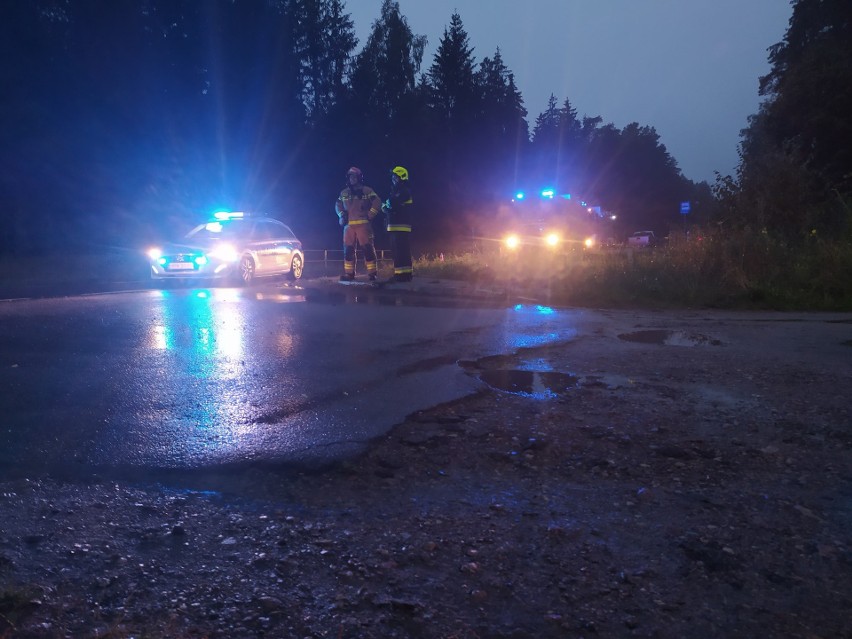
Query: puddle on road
669	338
531	383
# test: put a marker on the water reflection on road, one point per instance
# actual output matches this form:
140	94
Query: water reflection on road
201	377
203	347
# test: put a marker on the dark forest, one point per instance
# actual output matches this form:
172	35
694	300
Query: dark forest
125	119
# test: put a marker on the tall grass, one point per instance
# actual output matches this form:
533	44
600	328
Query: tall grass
745	269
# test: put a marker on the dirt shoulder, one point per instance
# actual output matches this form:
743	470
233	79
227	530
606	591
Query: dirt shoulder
666	491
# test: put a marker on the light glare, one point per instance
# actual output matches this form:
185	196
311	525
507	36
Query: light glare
225	253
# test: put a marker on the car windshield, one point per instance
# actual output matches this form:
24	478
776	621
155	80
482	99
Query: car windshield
227	229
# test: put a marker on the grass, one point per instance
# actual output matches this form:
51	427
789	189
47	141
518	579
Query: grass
748	271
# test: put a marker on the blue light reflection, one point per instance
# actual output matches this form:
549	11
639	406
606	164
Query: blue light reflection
537	325
544	310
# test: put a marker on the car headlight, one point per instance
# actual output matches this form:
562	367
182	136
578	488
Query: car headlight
155	254
551	239
590	242
225	253
512	241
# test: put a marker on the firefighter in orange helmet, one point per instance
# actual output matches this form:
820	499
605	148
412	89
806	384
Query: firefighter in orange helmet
356	207
397	210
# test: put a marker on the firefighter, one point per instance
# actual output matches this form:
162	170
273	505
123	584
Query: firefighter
356	207
397	209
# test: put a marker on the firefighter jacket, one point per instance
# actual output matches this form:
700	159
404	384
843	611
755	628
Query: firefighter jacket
357	205
397	208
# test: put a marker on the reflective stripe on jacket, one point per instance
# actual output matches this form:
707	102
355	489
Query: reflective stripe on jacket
359	204
398	208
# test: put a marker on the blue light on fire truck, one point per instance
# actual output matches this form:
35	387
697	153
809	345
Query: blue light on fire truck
548	193
519	195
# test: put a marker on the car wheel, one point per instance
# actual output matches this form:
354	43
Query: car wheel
245	273
296	268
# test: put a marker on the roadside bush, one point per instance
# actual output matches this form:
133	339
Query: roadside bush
746	268
470	266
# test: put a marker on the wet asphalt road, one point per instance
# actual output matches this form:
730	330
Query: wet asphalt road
209	378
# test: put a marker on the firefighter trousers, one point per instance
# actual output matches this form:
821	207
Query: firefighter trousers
401	251
362	234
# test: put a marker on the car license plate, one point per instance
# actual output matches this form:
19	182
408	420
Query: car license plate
176	266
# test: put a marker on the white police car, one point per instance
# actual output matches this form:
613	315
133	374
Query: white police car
232	246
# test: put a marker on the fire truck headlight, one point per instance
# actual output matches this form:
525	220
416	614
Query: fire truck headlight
590	242
551	239
512	241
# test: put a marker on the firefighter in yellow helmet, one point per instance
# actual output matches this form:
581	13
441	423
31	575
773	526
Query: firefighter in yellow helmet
356	207
397	209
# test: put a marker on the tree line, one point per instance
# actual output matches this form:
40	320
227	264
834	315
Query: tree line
794	180
123	118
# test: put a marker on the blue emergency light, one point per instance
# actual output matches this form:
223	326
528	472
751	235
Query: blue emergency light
228	215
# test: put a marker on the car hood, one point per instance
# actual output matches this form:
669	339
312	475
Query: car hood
189	245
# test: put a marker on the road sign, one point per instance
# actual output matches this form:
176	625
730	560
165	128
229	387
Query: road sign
684	208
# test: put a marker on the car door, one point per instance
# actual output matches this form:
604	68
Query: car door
263	247
285	244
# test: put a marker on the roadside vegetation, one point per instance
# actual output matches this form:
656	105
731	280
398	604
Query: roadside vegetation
711	268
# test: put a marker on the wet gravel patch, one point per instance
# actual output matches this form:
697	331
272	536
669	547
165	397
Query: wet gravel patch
685	496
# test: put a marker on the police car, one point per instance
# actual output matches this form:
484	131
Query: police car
231	246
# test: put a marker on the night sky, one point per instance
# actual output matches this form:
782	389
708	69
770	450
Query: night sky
689	68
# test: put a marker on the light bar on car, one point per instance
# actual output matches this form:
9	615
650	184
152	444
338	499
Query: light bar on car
228	215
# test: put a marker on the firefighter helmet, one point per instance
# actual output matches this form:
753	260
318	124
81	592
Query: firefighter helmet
400	172
356	172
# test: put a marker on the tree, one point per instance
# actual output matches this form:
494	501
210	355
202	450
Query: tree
326	45
385	71
502	128
632	174
795	174
148	110
546	127
451	76
809	90
559	143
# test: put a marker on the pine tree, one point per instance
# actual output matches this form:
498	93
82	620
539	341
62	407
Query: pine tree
385	71
502	126
326	44
452	75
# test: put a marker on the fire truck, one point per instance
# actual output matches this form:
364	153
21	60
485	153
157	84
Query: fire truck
547	220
